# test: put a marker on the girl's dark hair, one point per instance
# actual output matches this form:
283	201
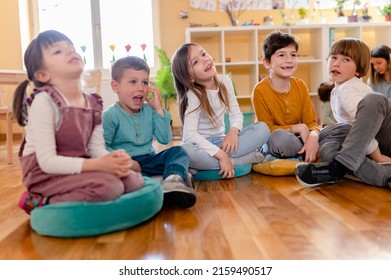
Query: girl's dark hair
324	91
381	51
357	50
180	71
128	62
278	40
33	59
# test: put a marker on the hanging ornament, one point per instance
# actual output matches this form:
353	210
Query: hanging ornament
127	48
83	48
143	46
112	47
184	14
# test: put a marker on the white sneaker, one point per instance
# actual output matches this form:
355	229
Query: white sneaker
179	193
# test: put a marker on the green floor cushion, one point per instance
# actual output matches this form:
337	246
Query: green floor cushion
79	219
278	167
203	175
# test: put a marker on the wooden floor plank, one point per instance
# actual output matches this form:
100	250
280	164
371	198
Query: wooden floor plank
250	217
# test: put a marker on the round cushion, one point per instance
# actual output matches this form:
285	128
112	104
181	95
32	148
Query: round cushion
78	219
247	120
278	167
203	175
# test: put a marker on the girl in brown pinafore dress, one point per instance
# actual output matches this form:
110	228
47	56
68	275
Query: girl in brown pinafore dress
63	156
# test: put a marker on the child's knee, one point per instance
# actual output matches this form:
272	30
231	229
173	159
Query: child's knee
328	151
179	150
186	151
109	187
133	181
263	129
284	144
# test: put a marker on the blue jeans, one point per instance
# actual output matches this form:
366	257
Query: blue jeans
252	137
173	160
348	144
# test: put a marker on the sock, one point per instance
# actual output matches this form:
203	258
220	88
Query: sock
173	177
253	157
338	170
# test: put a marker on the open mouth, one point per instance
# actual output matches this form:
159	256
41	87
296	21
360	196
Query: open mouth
334	72
208	67
138	99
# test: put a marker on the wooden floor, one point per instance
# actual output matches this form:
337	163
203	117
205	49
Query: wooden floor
251	217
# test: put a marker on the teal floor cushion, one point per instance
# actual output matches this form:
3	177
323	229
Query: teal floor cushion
203	175
80	219
247	120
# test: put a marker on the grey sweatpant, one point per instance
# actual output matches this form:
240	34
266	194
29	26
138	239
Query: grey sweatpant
348	144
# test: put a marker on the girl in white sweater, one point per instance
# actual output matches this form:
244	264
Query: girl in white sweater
203	98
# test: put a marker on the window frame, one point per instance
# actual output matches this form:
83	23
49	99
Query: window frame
33	15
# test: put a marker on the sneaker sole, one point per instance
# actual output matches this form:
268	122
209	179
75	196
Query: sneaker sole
311	185
306	184
180	199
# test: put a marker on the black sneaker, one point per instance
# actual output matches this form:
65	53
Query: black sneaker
179	193
314	174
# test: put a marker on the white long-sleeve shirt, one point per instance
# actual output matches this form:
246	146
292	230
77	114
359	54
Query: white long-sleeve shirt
43	120
197	126
344	100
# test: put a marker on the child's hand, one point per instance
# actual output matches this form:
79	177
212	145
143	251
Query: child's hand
134	165
117	163
302	130
311	147
226	166
230	142
154	101
379	157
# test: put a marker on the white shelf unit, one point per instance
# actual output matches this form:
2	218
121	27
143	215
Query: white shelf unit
238	50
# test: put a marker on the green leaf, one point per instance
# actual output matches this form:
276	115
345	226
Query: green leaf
164	79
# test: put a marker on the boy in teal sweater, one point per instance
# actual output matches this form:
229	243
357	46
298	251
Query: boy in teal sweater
135	120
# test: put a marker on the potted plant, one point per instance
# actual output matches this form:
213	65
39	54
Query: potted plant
365	17
353	17
303	14
339	8
164	79
386	11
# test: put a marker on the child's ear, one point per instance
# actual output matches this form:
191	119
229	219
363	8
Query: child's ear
114	86
190	79
266	63
42	76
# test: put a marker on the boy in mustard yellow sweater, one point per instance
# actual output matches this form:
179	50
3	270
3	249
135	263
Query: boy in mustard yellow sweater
283	102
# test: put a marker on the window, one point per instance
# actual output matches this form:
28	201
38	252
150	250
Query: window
102	30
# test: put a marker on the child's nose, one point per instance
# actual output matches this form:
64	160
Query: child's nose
337	62
142	86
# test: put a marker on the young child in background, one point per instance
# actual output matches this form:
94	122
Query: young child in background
283	101
63	156
324	93
360	148
203	99
135	120
380	78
